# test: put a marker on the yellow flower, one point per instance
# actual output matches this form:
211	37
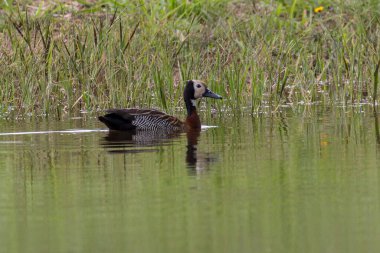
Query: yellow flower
318	9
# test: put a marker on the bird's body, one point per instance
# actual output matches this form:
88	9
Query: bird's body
140	119
150	119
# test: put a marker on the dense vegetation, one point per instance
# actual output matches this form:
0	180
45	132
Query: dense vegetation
88	56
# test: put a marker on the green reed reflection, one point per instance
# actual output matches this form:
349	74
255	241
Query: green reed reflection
283	183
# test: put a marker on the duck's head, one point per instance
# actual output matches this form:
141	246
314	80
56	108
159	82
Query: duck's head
197	89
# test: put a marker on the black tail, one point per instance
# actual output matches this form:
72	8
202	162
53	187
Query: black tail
118	122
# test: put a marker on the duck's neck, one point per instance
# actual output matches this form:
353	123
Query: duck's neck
192	119
190	106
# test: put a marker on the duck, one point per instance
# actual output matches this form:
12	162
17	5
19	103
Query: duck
133	119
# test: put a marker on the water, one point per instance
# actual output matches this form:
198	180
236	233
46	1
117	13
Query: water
287	183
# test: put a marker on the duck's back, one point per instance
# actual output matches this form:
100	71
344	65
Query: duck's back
140	119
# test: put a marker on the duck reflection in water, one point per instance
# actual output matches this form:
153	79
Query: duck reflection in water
197	161
129	142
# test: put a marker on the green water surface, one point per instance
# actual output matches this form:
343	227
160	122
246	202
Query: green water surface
290	182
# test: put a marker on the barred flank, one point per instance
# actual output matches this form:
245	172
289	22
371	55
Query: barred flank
153	120
154	123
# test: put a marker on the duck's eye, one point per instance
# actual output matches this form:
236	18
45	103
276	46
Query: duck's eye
198	85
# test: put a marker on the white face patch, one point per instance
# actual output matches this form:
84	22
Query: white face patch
199	89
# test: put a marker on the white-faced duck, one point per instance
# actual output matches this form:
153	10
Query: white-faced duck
149	119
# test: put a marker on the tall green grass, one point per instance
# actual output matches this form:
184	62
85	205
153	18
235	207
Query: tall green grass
259	55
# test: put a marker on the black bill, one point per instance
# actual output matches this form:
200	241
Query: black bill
211	94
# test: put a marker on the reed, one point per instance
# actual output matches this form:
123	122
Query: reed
259	55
